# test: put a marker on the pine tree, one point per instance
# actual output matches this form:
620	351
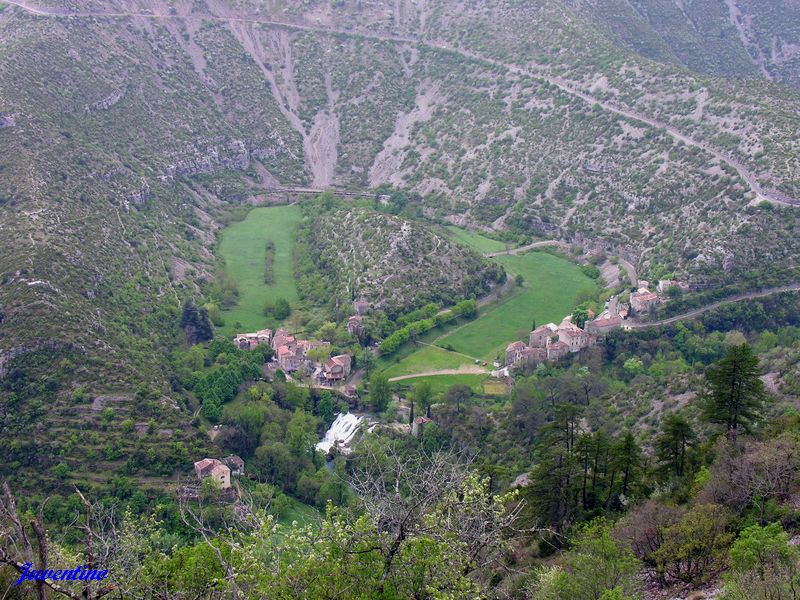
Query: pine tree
556	480
735	393
189	313
676	436
203	330
195	323
627	458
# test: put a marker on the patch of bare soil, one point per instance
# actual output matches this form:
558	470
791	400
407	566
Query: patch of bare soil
101	402
179	267
610	273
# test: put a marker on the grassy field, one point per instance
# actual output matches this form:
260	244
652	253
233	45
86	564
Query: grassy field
480	384
551	286
548	294
426	358
474	240
243	247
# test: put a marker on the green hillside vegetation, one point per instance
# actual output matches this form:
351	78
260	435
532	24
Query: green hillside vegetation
135	134
142	134
660	440
396	264
243	249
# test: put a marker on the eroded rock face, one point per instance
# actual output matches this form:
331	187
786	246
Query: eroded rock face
143	195
105	103
212	155
12	353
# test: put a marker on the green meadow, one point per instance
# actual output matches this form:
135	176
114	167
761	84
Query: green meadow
243	248
427	358
549	292
551	286
476	241
480	384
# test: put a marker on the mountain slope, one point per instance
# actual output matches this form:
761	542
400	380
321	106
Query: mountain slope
130	129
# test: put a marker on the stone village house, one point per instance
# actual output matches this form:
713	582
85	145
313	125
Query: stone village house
642	300
248	341
549	342
336	368
211	467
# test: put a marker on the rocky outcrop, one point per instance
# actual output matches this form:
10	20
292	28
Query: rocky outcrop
142	196
105	103
213	156
9	355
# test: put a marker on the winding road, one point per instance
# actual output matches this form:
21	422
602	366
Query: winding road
631	324
761	193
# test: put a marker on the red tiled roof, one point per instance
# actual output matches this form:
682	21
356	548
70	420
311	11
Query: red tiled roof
609	322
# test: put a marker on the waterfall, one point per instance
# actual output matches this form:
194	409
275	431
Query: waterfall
341	431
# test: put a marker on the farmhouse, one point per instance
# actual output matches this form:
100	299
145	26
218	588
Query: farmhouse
290	358
643	299
557	350
666	284
282	339
211	467
514	352
248	341
541	336
336	368
533	356
575	338
355	326
361	307
603	325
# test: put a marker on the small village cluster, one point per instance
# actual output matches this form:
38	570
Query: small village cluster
292	354
552	342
